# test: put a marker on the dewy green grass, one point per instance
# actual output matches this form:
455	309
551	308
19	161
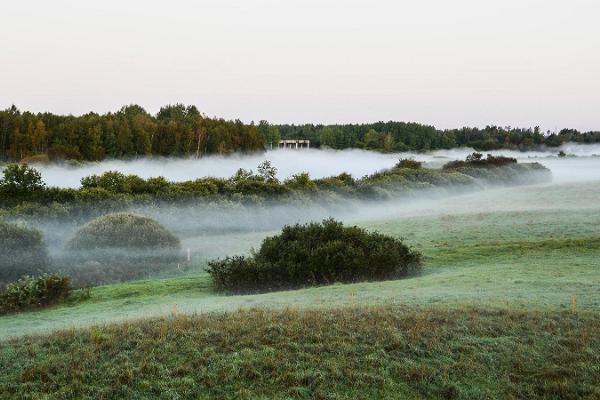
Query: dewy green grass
382	352
533	259
507	306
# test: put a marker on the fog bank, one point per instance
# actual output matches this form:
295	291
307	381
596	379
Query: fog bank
320	163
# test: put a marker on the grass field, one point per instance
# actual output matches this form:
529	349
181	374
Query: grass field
507	306
344	353
537	259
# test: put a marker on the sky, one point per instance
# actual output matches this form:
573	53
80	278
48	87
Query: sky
446	63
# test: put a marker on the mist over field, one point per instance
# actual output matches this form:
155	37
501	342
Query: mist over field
319	163
213	230
430	219
510	242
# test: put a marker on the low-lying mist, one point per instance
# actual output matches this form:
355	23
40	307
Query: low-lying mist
319	163
582	163
211	230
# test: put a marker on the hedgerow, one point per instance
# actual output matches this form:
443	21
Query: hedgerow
247	190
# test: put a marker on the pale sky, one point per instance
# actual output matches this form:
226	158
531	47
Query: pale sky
447	63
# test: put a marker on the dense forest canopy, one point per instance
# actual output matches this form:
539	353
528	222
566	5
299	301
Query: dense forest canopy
182	131
176	130
411	136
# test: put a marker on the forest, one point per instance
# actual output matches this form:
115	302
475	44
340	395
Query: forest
175	131
411	136
183	131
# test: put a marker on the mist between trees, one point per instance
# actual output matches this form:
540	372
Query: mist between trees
23	192
199	211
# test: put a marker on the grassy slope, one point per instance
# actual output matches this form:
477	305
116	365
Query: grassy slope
534	259
345	353
491	317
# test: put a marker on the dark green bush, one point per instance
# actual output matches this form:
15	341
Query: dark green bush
35	292
301	181
111	181
342	183
22	252
409	163
316	254
477	160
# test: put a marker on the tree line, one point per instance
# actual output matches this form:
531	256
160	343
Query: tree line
182	131
410	136
175	131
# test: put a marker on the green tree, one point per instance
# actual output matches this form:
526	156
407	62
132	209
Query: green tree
270	134
124	138
372	140
388	142
21	178
39	138
93	149
328	138
267	171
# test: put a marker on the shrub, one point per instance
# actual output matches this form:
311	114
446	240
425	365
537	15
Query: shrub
30	292
23	252
342	183
111	181
409	163
477	160
124	231
301	181
316	254
119	247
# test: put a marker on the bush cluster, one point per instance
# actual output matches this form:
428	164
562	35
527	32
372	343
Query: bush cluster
477	160
35	292
409	163
316	254
22	252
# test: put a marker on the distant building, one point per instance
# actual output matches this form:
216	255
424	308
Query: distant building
294	144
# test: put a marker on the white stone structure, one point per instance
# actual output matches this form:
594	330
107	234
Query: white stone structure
294	144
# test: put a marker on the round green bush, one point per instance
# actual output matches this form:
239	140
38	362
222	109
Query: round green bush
23	252
119	247
316	254
123	231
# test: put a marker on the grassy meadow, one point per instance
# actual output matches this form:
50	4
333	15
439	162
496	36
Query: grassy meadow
507	306
380	352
